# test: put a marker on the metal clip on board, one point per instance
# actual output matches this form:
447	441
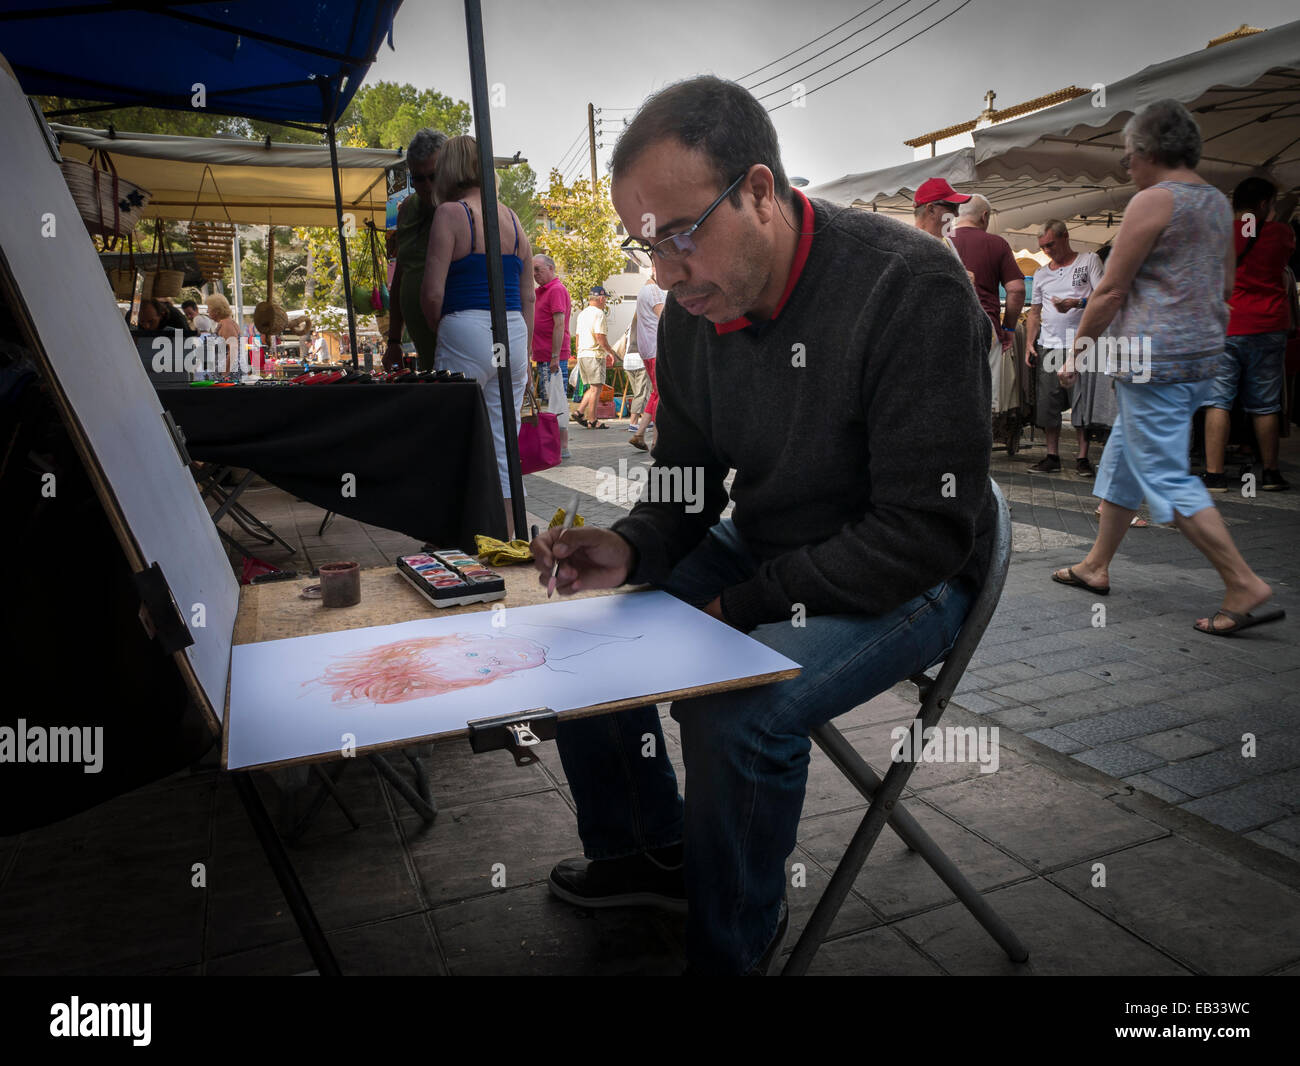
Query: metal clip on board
517	733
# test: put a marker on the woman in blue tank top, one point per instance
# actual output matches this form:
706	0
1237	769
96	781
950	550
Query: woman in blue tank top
455	293
1156	324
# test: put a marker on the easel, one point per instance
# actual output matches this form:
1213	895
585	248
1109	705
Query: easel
276	610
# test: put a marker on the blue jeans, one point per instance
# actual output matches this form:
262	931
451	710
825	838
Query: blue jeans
746	753
1251	366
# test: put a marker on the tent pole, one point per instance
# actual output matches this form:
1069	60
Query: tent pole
343	248
496	276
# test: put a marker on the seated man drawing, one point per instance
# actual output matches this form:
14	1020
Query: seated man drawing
836	360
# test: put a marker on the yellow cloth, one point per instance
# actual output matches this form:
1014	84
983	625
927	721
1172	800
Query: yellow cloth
558	520
498	553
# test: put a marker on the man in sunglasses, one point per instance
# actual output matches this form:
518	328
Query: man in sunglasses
835	359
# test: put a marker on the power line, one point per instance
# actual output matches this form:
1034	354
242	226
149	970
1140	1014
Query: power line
573	146
808	43
942	18
884	33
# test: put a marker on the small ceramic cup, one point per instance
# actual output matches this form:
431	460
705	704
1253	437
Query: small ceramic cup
340	585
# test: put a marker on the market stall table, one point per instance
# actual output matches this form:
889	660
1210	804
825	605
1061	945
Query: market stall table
417	459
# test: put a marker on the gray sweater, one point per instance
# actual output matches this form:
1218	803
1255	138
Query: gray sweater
861	475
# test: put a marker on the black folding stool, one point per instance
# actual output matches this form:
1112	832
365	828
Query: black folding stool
883	797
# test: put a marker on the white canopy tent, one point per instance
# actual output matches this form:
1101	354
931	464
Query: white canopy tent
253	182
1063	161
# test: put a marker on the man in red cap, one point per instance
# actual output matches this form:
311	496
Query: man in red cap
934	208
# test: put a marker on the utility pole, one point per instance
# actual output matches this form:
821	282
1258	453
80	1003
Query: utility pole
591	142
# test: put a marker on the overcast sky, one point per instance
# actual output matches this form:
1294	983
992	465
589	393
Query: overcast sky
552	57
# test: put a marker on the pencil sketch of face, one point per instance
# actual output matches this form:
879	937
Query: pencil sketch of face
428	666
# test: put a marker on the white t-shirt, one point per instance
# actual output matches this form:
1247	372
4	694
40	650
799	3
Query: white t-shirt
1077	279
203	324
647	322
590	322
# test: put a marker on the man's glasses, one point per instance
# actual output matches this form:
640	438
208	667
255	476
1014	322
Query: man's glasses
680	245
416	177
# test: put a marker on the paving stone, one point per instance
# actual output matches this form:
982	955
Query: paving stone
805	890
1039	817
1187	901
527	931
1119	759
527	834
875	953
977	703
897	881
1235	811
1056	740
1119	725
1287	828
1062	935
1174	744
1280	789
398	947
1118	670
1146	783
1206	773
1007	673
1275	843
246	907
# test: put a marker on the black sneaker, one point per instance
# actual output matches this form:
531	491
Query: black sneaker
1273	481
1049	464
647	879
1084	468
1215	482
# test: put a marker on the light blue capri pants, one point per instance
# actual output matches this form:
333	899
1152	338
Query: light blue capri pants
1146	455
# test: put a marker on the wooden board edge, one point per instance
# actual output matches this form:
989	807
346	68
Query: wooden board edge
98	479
577	712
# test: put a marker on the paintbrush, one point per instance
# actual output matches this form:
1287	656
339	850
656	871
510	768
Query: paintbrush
570	513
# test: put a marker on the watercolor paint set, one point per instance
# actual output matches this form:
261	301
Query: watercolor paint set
451	578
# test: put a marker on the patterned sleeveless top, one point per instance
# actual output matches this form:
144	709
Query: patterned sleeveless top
1175	313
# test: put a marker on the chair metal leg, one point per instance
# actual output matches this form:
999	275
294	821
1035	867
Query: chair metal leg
854	856
308	927
418	804
852	765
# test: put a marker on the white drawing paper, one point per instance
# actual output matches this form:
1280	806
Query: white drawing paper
310	695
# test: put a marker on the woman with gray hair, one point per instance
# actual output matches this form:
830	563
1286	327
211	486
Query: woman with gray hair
1164	298
414	217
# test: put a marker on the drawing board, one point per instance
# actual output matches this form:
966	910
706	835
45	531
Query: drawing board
59	291
312	696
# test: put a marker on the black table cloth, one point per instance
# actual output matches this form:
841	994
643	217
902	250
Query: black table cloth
421	456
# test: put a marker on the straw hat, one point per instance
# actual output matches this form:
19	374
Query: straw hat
269	318
300	327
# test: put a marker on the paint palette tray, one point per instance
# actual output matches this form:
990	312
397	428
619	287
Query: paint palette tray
451	578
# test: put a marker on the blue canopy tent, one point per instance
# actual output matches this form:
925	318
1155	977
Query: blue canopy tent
246	57
295	62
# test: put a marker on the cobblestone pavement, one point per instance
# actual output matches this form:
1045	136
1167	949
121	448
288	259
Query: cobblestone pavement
1122	684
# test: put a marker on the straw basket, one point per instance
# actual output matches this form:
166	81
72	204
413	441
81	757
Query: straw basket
109	206
212	243
269	319
381	323
167	283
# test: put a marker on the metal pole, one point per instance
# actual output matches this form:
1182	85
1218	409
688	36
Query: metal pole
343	248
496	276
591	143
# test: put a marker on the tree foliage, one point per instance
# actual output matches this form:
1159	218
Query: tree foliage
519	193
580	234
387	115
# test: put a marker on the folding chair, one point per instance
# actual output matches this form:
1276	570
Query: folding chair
883	797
